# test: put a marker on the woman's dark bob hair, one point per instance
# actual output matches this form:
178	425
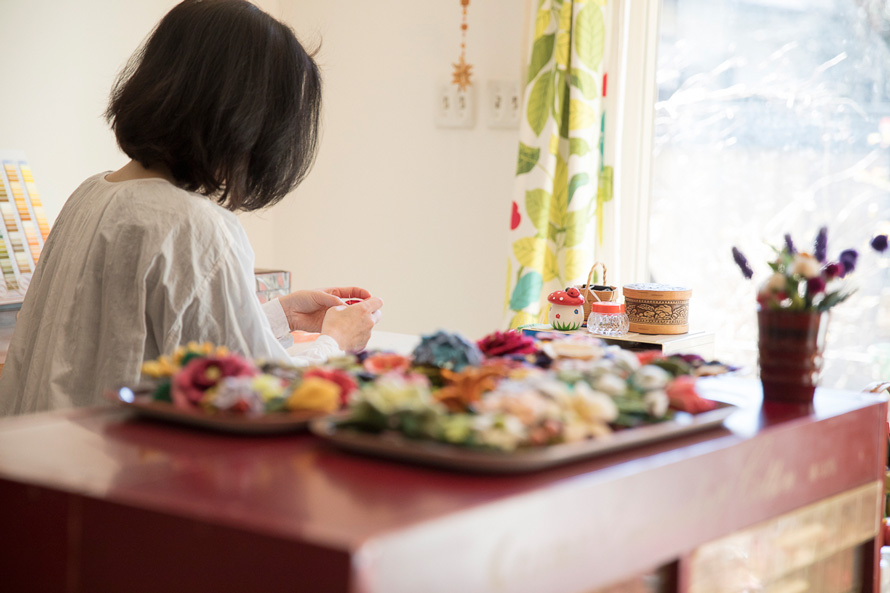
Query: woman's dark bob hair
226	98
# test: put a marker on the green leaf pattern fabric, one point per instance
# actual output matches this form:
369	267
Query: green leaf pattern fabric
556	172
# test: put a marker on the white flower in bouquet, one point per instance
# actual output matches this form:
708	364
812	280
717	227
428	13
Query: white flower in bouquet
500	431
657	402
233	391
610	384
393	393
520	400
593	406
651	377
775	283
624	360
804	265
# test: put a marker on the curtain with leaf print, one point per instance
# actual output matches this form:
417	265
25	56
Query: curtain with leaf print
560	156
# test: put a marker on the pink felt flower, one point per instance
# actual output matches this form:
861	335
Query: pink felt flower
191	383
505	343
683	396
338	377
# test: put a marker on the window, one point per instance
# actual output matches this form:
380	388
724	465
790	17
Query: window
773	117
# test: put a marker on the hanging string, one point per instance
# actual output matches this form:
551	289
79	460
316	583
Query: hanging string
462	70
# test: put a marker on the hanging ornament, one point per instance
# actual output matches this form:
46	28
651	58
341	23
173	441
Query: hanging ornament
462	70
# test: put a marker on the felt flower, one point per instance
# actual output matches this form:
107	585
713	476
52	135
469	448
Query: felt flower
806	265
464	388
505	343
203	373
447	351
647	356
385	362
392	393
338	377
650	377
315	394
683	396
804	282
240	394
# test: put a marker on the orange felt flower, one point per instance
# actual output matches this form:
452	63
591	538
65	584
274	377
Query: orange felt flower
467	386
385	363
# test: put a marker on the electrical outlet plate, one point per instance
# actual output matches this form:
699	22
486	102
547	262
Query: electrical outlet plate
503	103
455	108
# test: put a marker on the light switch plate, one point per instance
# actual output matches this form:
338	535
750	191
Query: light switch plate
503	103
455	108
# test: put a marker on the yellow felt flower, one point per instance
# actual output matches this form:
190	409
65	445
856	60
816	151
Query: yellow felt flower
162	367
315	393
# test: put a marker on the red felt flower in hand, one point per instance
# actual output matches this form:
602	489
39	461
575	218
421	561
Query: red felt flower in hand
504	343
341	378
683	396
192	381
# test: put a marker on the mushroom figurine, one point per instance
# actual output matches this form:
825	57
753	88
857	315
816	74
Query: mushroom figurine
566	309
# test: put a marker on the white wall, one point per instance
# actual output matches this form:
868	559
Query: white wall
416	214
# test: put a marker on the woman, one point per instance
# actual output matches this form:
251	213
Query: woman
219	112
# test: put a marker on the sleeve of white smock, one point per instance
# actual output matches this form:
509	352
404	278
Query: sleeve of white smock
226	311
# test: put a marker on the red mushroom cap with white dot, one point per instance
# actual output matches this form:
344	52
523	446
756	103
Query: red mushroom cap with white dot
562	297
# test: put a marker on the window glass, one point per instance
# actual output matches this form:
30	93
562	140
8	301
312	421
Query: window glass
773	117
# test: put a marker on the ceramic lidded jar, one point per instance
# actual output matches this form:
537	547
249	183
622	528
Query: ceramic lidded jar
566	309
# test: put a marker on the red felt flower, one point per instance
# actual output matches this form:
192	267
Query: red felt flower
341	378
647	356
504	343
683	396
385	363
203	373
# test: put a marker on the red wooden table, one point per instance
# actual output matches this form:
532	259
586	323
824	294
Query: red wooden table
96	500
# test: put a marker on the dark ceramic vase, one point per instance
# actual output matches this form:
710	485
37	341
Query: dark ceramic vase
790	347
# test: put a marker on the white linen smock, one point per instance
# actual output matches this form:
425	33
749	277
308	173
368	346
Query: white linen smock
132	270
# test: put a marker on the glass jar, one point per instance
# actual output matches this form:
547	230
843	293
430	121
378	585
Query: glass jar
608	319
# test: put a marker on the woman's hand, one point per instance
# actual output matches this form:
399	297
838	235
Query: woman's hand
305	309
351	325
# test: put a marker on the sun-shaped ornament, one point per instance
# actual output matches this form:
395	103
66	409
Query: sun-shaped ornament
462	70
462	73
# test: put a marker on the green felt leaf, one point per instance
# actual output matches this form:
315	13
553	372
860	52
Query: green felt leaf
528	158
578	146
539	102
527	291
581	115
584	82
529	252
537	205
542	52
590	35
